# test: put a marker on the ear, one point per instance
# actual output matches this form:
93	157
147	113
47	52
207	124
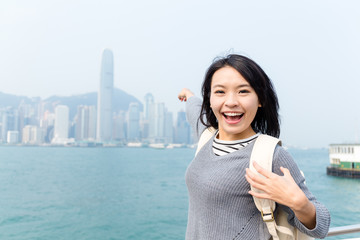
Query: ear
259	105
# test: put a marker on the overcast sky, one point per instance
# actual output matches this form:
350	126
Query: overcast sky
310	49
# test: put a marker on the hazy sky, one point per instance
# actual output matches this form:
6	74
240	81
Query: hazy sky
310	49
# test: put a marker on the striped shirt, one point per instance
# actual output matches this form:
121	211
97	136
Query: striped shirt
221	147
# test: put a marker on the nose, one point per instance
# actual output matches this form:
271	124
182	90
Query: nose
231	100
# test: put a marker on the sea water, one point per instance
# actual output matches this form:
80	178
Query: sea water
126	193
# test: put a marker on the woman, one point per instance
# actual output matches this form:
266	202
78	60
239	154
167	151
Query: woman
240	102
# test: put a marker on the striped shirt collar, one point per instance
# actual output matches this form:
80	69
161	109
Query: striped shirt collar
222	147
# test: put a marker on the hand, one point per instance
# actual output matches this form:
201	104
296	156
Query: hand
185	94
281	189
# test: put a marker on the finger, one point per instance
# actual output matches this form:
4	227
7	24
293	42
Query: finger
259	195
261	170
285	171
255	178
253	183
181	98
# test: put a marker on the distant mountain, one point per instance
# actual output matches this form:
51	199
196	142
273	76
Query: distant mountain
9	100
121	100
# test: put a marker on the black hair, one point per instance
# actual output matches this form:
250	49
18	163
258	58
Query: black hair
267	118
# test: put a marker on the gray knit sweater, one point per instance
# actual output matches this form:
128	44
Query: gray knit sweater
220	207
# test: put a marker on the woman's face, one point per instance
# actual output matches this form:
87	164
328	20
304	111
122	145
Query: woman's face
234	103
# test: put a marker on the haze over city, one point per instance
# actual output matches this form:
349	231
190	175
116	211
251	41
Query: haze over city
309	49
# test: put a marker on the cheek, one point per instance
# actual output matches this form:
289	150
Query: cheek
212	104
253	105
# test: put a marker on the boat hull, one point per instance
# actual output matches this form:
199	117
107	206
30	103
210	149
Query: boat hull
348	173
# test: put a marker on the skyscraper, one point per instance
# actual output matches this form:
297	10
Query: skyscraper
119	130
85	123
149	100
61	128
104	103
134	122
157	119
33	135
149	106
168	127
183	130
8	122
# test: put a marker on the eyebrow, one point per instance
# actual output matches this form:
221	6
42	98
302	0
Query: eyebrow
240	86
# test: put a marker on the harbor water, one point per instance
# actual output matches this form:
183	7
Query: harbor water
126	193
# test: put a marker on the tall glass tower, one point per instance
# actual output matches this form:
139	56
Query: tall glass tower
61	126
104	104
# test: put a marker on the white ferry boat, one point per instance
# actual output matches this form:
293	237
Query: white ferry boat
157	145
344	160
134	144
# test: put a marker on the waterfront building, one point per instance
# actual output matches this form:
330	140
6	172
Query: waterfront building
133	123
32	135
156	115
160	124
85	123
149	100
9	122
168	127
47	123
148	107
144	125
61	126
182	129
119	127
104	101
27	116
12	137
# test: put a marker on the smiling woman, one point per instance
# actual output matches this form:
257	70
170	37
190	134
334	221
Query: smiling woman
240	102
234	103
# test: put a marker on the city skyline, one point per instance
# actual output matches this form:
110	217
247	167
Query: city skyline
43	122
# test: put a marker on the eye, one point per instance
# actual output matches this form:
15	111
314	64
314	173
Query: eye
244	91
219	91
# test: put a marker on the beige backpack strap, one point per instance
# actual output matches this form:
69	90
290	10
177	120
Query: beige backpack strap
205	137
262	153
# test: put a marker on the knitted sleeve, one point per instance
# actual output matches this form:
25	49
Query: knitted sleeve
284	159
193	109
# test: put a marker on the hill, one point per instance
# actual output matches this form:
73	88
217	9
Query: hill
121	101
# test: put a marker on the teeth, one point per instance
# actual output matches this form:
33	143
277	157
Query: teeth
232	114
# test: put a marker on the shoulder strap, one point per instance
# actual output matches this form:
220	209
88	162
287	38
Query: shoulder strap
262	153
205	137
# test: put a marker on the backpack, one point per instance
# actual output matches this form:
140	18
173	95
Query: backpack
278	227
263	151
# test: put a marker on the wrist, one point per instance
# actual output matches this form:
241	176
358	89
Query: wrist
300	203
189	94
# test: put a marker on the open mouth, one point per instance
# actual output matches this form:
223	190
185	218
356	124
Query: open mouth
233	116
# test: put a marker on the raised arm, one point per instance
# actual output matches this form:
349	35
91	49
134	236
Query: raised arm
193	109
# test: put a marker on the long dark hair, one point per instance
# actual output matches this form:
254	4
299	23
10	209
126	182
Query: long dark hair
267	118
